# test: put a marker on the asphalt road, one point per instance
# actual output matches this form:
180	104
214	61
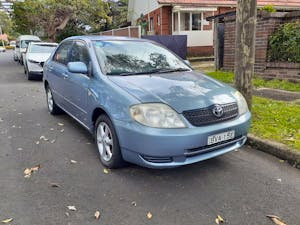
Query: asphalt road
243	186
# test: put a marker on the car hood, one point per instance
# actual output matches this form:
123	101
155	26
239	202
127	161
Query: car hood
38	57
180	90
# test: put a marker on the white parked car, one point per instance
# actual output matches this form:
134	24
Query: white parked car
36	55
2	49
22	44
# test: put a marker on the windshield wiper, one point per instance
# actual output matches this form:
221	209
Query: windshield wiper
150	72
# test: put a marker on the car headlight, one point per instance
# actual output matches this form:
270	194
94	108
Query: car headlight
156	115
242	104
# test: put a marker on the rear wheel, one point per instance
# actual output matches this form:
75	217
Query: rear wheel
107	143
52	107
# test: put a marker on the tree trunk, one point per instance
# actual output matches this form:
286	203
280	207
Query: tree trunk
245	47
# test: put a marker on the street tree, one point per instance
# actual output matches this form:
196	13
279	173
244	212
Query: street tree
245	47
52	16
5	22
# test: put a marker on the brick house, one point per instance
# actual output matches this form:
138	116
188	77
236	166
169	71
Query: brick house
188	17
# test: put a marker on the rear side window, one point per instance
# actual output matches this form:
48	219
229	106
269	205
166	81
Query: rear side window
62	53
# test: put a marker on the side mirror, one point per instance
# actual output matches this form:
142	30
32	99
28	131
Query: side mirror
77	67
187	62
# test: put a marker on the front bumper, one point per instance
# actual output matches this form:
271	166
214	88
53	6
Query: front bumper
167	148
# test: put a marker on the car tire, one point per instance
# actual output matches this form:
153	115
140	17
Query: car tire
107	143
52	107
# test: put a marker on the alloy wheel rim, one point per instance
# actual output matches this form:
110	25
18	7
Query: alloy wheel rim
104	141
50	100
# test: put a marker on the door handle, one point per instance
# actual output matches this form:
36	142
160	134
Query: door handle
66	76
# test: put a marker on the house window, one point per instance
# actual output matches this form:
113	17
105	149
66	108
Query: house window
185	21
158	20
175	21
196	21
151	24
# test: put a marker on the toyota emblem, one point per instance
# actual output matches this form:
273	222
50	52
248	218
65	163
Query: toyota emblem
218	111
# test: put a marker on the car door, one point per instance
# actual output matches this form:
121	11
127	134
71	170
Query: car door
58	73
77	87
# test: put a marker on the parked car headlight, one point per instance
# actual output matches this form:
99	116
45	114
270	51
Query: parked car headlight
32	61
156	115
242	104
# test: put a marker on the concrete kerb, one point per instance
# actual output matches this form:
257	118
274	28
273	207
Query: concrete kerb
274	148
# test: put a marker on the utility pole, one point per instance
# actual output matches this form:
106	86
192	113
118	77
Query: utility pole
245	47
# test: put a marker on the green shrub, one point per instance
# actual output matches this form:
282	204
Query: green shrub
284	44
268	8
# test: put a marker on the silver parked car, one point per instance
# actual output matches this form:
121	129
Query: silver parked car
36	55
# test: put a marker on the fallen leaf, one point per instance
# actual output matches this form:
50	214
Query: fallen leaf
276	220
149	215
219	219
36	168
44	138
67	214
62	130
29	171
73	161
105	171
133	203
20	149
53	141
60	124
279	180
54	185
51	129
97	215
7	220
72	207
281	161
37	142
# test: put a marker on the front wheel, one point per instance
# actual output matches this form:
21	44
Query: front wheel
52	107
107	143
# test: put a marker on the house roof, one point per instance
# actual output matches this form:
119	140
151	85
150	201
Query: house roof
276	3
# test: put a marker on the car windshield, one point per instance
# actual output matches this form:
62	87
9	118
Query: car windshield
136	57
41	48
24	43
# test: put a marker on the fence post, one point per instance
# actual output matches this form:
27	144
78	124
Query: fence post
140	31
113	32
129	31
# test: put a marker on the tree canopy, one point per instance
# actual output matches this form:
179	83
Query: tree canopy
5	22
55	18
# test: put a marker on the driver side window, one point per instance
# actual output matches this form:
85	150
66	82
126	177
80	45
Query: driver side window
80	53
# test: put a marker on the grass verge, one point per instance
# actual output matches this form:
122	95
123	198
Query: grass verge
276	120
228	77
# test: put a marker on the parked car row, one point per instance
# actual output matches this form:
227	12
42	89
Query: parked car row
32	53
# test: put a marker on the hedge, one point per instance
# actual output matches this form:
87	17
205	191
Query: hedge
284	44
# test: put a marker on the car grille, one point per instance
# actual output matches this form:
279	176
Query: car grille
205	116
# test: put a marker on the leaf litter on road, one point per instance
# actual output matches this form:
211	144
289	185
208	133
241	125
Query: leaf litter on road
106	171
219	219
29	171
73	161
60	124
276	220
71	207
97	215
7	220
149	215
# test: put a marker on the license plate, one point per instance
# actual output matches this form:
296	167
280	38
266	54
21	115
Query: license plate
216	138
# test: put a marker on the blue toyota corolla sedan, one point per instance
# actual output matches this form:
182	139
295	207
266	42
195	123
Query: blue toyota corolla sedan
142	103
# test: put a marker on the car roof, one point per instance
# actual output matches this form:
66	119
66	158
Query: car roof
43	43
28	37
104	38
